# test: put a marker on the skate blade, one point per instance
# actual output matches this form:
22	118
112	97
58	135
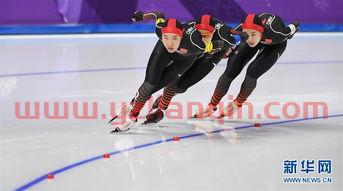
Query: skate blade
194	117
113	119
117	130
199	118
220	116
147	122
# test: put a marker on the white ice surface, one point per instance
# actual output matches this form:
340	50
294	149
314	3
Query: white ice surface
110	68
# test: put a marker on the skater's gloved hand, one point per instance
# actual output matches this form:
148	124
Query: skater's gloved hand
137	16
159	15
216	46
244	36
294	26
240	37
229	52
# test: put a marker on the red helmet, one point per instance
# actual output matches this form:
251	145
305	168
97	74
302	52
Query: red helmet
205	22
172	26
254	22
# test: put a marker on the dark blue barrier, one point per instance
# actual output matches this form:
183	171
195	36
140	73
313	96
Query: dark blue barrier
125	28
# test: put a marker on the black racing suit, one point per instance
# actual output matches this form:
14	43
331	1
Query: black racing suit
270	48
164	67
202	66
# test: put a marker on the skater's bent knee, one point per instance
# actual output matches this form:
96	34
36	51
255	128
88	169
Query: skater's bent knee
147	87
181	90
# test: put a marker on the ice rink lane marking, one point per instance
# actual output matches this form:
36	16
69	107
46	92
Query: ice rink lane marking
142	68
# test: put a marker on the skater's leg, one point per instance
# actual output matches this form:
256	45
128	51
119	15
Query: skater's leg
263	62
158	62
162	103
196	73
199	69
174	72
235	65
168	93
169	79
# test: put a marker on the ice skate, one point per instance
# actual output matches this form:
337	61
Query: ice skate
129	122
230	109
155	116
208	111
124	111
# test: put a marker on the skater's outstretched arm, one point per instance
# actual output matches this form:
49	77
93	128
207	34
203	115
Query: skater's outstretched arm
225	34
275	29
140	16
158	16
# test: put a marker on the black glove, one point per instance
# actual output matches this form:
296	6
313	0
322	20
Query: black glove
159	14
240	37
137	16
218	45
297	26
229	52
244	36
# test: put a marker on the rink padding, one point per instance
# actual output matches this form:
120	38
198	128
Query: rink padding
125	28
